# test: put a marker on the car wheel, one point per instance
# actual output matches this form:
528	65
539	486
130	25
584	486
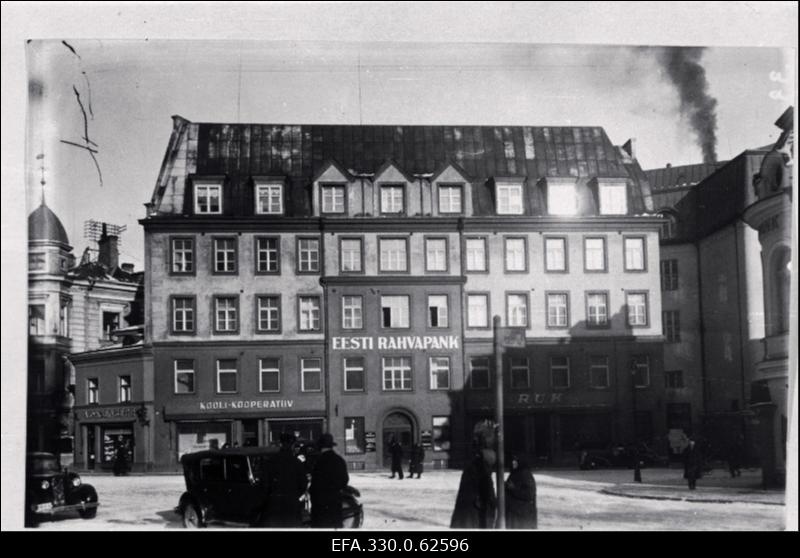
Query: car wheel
191	517
88	496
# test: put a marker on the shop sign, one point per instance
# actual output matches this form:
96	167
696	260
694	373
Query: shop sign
427	439
398	342
246	404
107	413
370	439
540	398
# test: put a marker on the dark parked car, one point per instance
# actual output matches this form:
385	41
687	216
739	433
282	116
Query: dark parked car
226	485
621	456
49	489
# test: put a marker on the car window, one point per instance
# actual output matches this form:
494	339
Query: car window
238	471
46	465
211	469
258	465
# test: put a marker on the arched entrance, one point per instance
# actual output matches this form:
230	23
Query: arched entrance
397	425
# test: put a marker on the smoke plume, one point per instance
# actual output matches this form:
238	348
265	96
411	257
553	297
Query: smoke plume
683	67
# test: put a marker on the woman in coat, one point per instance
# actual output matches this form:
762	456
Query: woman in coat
476	503
520	497
692	464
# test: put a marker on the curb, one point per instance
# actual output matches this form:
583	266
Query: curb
612	492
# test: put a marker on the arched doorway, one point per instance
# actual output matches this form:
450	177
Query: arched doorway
397	425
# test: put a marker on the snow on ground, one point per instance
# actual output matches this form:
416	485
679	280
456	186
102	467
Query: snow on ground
567	500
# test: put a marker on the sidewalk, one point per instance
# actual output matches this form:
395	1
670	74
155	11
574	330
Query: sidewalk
716	486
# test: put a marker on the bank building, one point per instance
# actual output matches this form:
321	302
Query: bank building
315	278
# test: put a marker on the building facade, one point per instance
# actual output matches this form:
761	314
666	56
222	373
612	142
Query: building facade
344	279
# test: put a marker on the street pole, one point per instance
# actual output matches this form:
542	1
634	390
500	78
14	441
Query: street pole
498	390
637	471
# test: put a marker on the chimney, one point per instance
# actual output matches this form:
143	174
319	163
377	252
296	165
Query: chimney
127	267
630	147
669	165
108	250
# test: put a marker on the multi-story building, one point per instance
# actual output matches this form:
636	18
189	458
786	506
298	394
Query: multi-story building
344	279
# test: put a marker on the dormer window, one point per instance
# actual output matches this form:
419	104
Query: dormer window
509	199
269	199
561	199
332	198
613	199
450	198
207	199
392	198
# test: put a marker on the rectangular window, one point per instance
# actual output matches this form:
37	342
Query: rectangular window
597	309
478	310
520	373
350	252
226	314
269	199
225	255
310	374
352	312
674	379
309	309
63	318
333	199
354	374
207	199
557	310
393	254
476	254
479	377
396	373
594	254
450	198
36	262
555	250
269	313
394	311
517	310
613	199
267	254
92	391
672	325
392	199
124	394
598	372
435	254
269	375
184	375
355	440
441	434
227	373
110	324
641	371
669	275
437	311
440	372
634	254
182	255
516	254
183	314
509	199
559	371
36	319
637	308
308	255
561	199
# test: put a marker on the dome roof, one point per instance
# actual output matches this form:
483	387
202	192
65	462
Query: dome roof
43	224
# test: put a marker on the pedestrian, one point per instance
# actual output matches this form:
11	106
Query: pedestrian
396	452
120	466
735	457
476	503
520	496
692	463
415	463
328	479
286	483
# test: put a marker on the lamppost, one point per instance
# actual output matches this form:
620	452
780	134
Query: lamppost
637	471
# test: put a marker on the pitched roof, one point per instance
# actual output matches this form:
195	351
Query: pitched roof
680	176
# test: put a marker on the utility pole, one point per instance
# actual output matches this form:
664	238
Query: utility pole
637	470
498	390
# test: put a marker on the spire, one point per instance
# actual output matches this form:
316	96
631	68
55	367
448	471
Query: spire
40	157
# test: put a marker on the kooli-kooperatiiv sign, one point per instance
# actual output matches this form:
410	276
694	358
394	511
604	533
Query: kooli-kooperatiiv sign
397	342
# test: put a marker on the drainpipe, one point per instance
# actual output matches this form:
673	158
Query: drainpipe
702	327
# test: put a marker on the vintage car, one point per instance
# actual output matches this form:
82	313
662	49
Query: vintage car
49	489
226	485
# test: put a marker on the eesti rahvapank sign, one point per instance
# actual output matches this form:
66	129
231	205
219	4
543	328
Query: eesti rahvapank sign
395	342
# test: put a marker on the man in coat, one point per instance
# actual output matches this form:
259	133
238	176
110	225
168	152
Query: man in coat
286	481
415	463
476	503
396	451
692	463
328	478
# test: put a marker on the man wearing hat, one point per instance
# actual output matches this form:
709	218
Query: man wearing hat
328	478
286	482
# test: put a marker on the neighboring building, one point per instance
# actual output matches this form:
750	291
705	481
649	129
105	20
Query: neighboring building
771	215
344	279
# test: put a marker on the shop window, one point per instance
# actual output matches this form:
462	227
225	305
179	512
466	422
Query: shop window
559	372
350	249
594	254
182	255
36	319
597	309
634	253
116	440
393	254
598	372
585	431
392	199
396	373
333	198
435	254
225	255
352	312
124	394
440	372
310	374
669	275
207	199
557	310
269	199
555	250
269	313
227	376
92	391
520	373
517	310
226	314
441	433
478	310
516	254
636	304
269	375
479	377
394	311
476	254
309	310
437	311
308	255
184	375
450	196
267	254
354	374
672	325
354	435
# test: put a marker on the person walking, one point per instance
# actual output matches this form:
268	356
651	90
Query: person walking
415	463
396	452
476	503
692	463
520	490
735	453
120	467
286	482
328	478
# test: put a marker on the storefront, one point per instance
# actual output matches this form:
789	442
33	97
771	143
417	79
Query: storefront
102	431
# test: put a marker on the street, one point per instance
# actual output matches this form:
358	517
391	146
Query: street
567	500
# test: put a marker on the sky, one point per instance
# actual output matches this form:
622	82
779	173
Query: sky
129	89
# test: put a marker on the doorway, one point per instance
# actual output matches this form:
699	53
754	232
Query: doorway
397	426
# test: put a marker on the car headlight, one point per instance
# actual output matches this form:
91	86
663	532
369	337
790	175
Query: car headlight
45	485
76	481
